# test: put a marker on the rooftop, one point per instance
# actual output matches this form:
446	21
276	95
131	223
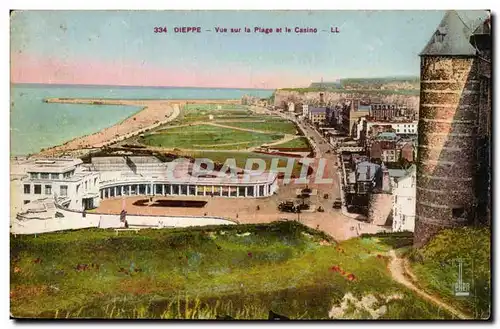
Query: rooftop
400	173
371	121
364	108
396	173
181	171
53	165
364	168
386	136
318	109
451	38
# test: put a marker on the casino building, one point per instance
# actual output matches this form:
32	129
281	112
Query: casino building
149	176
78	186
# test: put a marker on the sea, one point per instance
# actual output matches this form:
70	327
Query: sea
35	124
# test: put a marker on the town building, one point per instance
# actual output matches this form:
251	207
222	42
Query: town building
366	128
317	115
291	107
364	178
407	150
388	112
361	182
305	110
404	199
453	180
390	148
357	110
385	151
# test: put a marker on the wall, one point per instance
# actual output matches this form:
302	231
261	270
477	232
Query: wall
380	207
446	145
74	220
404	201
16	196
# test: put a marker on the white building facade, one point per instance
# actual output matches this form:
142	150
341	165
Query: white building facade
404	202
305	110
400	128
63	179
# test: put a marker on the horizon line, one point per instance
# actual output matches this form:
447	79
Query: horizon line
132	86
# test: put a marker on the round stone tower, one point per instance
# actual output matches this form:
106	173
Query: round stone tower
447	131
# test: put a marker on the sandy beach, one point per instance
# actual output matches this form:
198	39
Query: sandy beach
153	114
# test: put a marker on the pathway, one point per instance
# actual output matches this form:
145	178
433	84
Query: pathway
401	273
283	140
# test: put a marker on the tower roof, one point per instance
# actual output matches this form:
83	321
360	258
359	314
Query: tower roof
450	39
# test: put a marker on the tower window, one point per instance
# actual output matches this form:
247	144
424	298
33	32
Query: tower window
457	212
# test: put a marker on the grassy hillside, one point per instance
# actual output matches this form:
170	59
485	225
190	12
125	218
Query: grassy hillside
436	267
240	271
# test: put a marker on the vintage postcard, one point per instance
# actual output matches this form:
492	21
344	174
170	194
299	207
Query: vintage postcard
250	165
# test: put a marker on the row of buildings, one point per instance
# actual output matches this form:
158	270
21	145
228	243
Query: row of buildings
377	144
443	148
385	196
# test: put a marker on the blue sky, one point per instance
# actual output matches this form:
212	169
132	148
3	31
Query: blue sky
79	46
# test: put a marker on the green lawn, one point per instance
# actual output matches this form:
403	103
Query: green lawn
299	142
271	125
201	112
436	267
215	107
241	271
248	117
242	157
207	137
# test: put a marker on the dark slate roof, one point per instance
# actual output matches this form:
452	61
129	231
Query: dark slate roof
317	109
450	39
362	108
362	170
386	135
